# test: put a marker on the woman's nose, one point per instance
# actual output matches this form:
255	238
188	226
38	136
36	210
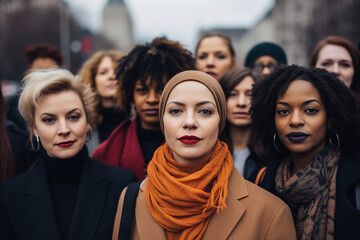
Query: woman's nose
296	119
63	128
190	121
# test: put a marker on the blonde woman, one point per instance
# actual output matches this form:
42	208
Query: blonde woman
66	194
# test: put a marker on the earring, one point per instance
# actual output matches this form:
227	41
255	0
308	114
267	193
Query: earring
274	138
338	141
132	111
37	143
88	136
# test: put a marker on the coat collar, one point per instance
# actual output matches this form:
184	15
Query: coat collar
90	202
226	219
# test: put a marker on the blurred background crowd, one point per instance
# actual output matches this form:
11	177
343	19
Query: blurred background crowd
80	28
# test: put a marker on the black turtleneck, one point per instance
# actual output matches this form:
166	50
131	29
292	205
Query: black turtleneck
111	119
149	141
64	179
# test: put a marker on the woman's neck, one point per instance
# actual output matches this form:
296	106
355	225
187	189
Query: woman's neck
240	136
108	102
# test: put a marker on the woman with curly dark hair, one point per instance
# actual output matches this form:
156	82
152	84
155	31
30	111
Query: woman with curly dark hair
99	72
142	76
306	122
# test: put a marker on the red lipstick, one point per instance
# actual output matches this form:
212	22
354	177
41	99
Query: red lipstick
66	144
186	139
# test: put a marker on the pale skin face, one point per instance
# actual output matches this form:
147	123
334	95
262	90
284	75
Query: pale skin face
238	103
61	124
338	60
268	61
146	99
43	63
105	82
191	122
301	122
213	57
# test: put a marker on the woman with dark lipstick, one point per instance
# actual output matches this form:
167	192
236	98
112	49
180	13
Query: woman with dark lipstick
192	190
215	55
142	75
306	120
65	194
237	85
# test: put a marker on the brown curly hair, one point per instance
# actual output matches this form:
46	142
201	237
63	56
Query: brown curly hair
88	72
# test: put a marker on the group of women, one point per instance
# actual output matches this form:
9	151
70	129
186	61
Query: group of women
191	137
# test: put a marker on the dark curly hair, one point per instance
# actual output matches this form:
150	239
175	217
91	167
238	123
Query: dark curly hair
340	103
159	60
43	50
228	82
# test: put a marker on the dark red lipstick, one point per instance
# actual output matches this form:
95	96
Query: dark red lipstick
189	139
66	144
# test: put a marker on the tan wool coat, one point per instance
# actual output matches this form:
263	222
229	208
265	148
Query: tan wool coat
252	213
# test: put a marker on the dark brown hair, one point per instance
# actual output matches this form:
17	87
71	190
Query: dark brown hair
342	109
43	50
230	80
353	51
7	164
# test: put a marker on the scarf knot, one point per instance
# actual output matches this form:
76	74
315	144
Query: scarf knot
182	197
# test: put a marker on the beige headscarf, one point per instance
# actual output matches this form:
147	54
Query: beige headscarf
193	75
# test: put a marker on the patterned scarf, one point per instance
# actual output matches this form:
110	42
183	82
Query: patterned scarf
182	197
313	191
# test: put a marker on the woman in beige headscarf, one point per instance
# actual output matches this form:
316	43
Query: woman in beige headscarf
192	190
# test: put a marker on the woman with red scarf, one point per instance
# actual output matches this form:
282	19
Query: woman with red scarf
142	75
192	190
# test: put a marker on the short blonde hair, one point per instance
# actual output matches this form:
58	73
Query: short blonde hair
41	82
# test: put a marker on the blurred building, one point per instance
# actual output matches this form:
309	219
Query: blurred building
299	25
117	25
27	22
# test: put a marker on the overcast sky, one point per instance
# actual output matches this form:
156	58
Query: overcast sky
179	20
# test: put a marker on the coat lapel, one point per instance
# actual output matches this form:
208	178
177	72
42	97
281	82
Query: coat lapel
228	218
90	202
147	227
38	204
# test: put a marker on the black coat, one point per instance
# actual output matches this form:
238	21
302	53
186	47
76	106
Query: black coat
347	217
26	210
21	148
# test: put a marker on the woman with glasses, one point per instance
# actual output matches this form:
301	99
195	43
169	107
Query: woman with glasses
265	57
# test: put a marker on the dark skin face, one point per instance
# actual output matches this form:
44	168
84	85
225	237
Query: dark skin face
146	99
301	122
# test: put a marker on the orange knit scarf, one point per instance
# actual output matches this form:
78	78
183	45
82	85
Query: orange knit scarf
182	197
